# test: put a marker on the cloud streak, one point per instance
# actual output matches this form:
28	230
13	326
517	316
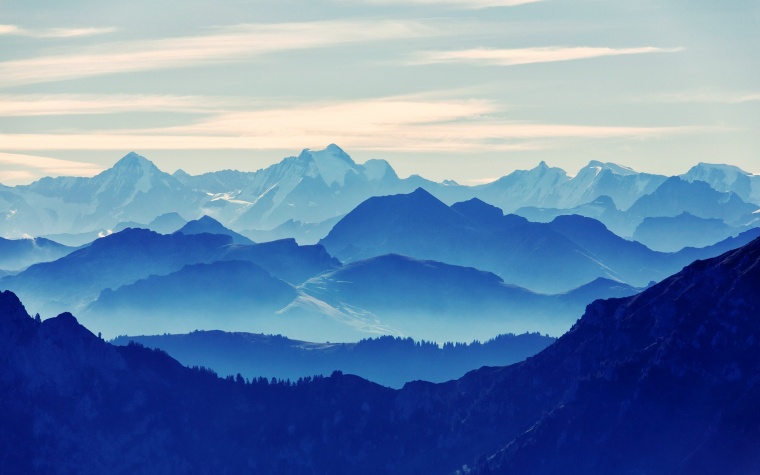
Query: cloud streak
79	104
21	168
709	97
390	124
467	4
518	56
14	30
225	45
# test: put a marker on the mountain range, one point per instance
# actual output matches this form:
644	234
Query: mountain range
659	382
302	196
441	273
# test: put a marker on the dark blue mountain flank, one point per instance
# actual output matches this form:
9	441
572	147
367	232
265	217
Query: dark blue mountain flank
110	262
661	382
390	361
20	253
664	382
222	294
421	226
209	225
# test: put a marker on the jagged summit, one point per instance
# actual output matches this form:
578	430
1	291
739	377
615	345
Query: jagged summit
134	161
613	167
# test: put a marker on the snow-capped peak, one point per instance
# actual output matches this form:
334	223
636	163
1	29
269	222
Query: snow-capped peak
333	164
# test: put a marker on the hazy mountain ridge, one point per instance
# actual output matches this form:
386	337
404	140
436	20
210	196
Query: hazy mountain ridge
390	361
672	363
573	250
319	186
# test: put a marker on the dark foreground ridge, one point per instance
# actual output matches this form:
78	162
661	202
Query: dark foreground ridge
660	383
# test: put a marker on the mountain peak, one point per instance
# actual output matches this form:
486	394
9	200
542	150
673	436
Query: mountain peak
332	163
134	160
613	167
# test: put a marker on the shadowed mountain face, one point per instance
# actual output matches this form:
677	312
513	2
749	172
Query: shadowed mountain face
661	382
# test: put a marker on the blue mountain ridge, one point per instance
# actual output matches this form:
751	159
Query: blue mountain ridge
660	382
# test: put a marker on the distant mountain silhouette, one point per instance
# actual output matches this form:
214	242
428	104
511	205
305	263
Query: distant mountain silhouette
390	361
676	196
17	254
727	178
661	382
134	189
115	260
442	302
207	224
222	295
673	233
548	257
421	226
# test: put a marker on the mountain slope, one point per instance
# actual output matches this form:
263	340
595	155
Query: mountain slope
133	190
727	178
441	302
420	226
19	253
207	224
232	295
115	260
661	382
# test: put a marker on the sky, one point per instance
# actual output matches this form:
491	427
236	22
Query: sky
468	90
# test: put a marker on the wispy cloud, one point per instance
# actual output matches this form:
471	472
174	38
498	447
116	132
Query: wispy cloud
516	56
395	123
224	45
710	97
54	32
468	4
75	104
19	168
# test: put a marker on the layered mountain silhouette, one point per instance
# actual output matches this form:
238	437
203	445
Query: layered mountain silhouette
389	361
229	295
17	254
727	178
209	225
134	189
573	250
433	300
302	196
660	382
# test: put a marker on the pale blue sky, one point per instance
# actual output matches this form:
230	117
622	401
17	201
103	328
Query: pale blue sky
462	89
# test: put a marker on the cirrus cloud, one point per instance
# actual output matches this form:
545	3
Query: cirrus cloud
224	45
517	56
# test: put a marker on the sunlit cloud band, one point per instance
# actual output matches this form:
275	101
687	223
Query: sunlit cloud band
54	32
517	56
224	45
